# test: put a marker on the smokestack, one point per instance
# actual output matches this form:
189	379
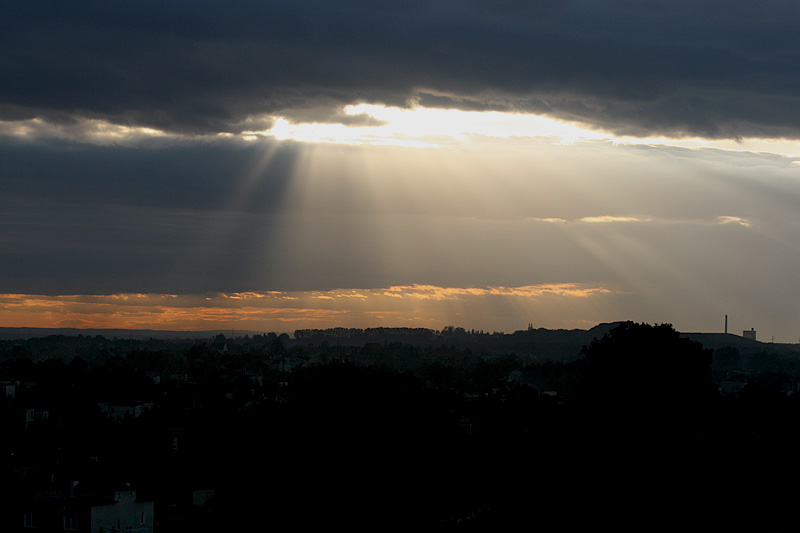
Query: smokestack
726	324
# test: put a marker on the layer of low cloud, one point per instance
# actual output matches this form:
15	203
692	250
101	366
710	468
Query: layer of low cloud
696	68
412	305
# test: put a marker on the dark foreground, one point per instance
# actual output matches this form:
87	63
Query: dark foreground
634	436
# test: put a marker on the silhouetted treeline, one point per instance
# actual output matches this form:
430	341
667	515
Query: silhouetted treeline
635	434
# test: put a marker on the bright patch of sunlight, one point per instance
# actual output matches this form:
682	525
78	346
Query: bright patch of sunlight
425	127
339	134
422	127
415	127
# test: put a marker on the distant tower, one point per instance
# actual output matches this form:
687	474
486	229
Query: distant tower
726	324
749	334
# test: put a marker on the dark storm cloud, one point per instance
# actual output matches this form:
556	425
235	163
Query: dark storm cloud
86	218
190	176
720	69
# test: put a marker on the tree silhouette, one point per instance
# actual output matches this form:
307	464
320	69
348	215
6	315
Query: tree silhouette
645	395
638	368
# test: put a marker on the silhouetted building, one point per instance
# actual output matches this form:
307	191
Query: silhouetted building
731	387
749	334
120	412
8	389
109	512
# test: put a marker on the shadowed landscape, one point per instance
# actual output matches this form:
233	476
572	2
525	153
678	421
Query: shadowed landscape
641	428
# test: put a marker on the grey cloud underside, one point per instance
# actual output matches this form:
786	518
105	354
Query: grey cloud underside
718	69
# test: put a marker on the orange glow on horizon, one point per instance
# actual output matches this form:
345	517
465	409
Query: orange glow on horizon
283	311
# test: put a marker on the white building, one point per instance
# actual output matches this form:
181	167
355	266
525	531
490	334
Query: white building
125	513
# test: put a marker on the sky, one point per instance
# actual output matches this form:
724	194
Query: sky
271	166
